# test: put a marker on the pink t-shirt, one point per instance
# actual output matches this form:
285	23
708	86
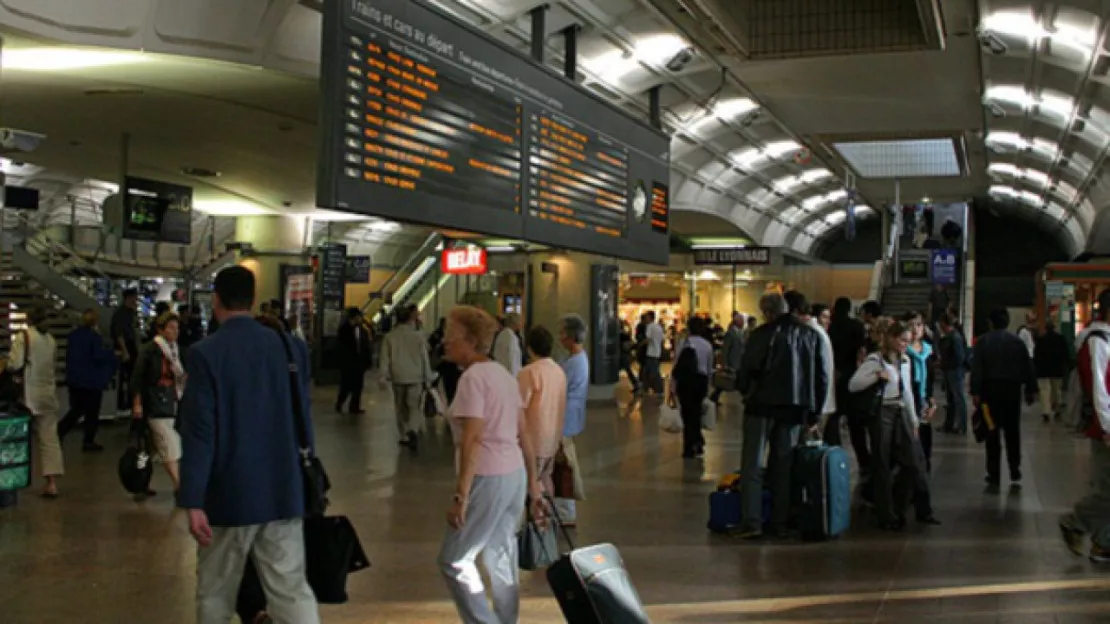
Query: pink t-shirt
487	391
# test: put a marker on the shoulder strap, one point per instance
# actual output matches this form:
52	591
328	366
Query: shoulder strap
295	391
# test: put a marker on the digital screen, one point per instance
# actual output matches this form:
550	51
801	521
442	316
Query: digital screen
157	211
428	121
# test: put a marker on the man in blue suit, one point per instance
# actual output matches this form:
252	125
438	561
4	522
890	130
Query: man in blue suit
241	480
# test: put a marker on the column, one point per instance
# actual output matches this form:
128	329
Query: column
277	240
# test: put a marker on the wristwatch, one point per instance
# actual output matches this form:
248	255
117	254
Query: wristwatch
458	498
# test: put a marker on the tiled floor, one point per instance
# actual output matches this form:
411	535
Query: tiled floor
96	556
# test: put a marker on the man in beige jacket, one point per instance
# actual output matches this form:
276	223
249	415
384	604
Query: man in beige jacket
406	366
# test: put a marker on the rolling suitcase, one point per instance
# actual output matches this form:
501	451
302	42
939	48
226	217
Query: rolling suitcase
592	586
724	511
822	485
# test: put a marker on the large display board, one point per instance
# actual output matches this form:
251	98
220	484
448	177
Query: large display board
154	210
428	121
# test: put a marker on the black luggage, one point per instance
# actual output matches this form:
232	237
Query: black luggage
593	587
135	466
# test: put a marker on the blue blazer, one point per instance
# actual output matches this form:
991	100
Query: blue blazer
240	455
89	363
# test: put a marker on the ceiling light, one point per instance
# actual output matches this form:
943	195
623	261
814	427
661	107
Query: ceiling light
230	208
726	110
784	185
814	175
61	59
384	226
926	200
1009	94
1024	25
781	148
655	49
747	157
200	172
335	216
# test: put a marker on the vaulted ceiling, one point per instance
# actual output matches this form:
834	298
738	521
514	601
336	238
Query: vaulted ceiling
761	117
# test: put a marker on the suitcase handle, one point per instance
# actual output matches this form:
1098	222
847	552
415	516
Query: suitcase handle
558	521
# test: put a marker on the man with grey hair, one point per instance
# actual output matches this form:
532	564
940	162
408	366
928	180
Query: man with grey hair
506	345
572	335
784	380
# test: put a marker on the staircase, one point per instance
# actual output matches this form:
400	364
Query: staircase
18	295
901	298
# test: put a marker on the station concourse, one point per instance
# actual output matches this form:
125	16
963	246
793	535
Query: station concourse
379	163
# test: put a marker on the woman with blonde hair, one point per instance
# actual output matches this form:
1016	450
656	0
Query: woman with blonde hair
157	386
898	466
34	353
495	469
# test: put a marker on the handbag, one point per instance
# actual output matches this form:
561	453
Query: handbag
332	551
537	547
135	466
670	420
724	379
316	482
562	476
982	424
708	415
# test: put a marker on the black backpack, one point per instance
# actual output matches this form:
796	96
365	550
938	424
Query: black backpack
686	366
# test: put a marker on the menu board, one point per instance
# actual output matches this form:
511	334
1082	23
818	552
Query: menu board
333	286
426	120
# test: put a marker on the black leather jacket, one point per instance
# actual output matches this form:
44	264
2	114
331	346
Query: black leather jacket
782	371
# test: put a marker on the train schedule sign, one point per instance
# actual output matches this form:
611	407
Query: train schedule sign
426	120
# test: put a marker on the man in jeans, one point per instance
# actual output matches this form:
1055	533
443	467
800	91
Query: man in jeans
407	366
784	381
1091	515
241	479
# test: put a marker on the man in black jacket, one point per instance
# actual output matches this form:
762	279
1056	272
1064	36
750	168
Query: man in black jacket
353	353
1051	359
1000	369
784	382
849	340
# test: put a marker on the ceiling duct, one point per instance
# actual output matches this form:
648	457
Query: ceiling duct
783	29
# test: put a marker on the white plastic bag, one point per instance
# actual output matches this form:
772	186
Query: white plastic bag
669	419
708	415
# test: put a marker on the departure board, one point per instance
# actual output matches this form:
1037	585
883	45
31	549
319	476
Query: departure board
425	120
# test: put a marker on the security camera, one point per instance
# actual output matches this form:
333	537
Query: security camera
991	42
679	61
12	140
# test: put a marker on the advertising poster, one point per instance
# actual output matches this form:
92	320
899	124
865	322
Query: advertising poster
944	266
604	331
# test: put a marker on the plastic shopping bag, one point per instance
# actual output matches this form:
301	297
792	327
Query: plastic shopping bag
708	415
670	420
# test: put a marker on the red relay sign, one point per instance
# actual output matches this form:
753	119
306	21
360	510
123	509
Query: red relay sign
464	261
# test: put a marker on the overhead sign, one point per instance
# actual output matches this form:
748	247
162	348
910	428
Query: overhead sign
733	255
358	269
464	261
157	211
427	120
944	266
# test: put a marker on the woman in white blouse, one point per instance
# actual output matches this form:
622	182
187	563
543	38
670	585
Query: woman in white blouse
34	353
893	431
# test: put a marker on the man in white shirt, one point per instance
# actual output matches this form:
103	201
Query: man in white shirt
1027	333
506	346
650	378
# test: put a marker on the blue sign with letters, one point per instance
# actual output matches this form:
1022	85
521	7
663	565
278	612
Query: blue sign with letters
945	266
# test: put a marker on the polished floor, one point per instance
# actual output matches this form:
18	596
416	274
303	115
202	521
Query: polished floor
96	556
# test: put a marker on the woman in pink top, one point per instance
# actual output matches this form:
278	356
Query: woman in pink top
496	469
543	391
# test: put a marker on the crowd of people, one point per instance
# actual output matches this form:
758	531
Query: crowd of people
801	371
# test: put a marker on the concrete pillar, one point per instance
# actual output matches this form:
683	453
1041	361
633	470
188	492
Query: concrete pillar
276	240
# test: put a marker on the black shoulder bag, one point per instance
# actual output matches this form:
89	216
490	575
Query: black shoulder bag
316	483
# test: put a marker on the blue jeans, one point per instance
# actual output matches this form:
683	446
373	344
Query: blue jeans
957	402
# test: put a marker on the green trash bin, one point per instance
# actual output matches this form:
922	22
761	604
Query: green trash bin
15	449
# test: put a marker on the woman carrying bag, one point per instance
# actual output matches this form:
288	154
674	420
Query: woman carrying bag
158	384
